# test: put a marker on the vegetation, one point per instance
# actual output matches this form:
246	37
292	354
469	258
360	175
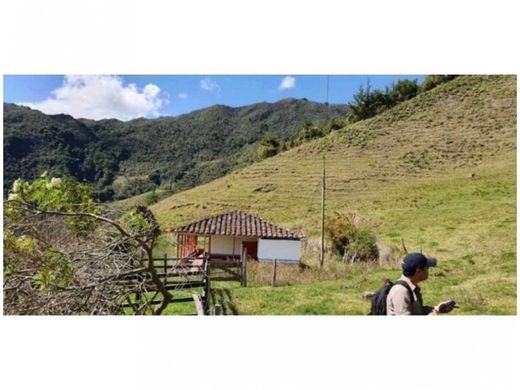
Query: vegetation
270	145
63	254
432	81
123	159
438	171
368	103
349	241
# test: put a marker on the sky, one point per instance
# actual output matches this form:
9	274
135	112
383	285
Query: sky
126	97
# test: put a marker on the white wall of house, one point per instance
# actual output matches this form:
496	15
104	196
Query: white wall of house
288	251
223	245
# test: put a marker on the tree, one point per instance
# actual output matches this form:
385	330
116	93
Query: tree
309	132
431	81
403	90
369	103
269	145
335	124
366	103
65	254
155	177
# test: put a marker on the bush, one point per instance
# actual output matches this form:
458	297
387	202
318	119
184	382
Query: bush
403	90
368	103
309	132
124	188
434	80
335	124
151	198
270	145
351	242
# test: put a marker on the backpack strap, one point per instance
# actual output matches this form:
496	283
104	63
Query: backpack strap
404	284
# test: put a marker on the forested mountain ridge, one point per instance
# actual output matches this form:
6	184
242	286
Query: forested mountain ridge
125	158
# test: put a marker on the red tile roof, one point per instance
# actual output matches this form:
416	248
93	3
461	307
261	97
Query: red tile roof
237	223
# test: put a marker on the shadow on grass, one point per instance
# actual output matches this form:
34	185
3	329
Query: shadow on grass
225	298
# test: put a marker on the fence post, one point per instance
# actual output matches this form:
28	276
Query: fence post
244	268
207	284
218	309
165	268
273	282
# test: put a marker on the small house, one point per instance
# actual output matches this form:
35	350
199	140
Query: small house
227	236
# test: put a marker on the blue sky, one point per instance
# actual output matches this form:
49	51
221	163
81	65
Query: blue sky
129	96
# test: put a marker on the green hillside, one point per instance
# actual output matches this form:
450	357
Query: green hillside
124	159
438	171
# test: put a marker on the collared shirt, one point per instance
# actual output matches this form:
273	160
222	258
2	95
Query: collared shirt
398	301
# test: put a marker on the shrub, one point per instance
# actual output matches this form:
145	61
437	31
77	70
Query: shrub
270	145
351	242
151	198
335	124
434	80
403	90
309	132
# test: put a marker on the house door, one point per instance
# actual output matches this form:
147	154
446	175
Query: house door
251	248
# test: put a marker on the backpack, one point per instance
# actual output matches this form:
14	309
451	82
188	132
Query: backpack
379	298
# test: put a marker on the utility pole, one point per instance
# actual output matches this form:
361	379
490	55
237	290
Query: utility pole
322	249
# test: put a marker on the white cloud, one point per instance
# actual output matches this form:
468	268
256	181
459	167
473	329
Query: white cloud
99	97
210	85
182	95
288	82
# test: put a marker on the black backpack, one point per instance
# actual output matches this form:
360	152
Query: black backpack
379	298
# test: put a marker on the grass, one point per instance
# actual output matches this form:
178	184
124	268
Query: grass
438	171
144	199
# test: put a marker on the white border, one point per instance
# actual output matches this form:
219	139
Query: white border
238	37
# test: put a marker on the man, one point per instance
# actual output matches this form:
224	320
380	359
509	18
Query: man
405	298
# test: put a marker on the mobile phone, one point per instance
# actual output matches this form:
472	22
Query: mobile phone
447	307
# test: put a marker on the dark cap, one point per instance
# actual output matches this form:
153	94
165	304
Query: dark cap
413	260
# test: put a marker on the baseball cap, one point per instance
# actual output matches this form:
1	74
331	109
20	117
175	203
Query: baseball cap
413	260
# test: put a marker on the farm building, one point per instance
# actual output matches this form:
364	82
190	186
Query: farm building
229	235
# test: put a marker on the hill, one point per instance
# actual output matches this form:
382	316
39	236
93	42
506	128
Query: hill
128	158
438	170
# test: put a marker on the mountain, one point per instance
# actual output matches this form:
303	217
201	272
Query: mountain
465	124
131	157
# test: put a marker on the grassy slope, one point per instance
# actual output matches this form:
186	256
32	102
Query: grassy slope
406	171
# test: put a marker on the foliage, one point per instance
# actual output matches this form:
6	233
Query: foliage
124	187
152	197
139	221
440	208
403	90
349	241
64	254
308	132
368	103
57	194
178	152
270	145
431	81
335	124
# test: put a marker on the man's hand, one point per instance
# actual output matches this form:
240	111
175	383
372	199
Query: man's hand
444	307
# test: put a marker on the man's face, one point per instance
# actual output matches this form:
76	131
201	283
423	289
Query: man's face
422	273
